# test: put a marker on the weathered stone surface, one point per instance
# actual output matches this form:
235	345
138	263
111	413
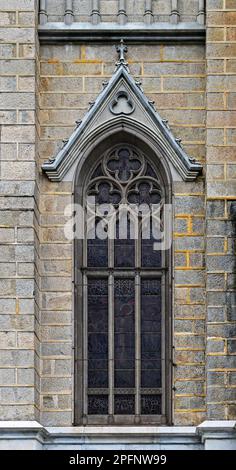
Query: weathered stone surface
215	346
16	188
220	121
7	377
7	83
189	243
18	134
215	209
216	281
35	255
182	84
17	358
189	277
24	253
189	205
18	171
220	263
25	377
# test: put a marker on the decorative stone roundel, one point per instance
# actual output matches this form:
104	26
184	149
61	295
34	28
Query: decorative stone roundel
122	104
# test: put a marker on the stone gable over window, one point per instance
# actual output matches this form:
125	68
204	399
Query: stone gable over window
122	106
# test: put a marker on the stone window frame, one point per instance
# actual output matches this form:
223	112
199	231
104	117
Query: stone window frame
79	181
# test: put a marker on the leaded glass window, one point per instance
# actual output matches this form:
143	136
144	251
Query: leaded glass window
121	361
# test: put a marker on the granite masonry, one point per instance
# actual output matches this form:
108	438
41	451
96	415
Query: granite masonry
54	58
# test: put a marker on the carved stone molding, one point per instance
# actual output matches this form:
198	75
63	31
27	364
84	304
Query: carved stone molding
122	104
134	33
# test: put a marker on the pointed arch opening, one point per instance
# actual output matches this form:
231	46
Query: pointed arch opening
123	296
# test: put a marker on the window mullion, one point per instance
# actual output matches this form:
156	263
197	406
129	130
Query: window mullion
138	327
111	329
137	345
113	281
85	348
163	344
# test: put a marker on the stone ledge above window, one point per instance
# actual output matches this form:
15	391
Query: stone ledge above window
112	32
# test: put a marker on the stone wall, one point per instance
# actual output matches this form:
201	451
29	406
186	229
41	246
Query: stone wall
43	91
17	247
221	190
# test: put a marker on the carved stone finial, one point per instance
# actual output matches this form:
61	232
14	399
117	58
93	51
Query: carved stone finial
139	85
165	122
91	104
104	84
122	49
64	142
178	141
152	104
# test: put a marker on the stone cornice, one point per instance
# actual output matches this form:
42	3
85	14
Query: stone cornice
112	32
30	435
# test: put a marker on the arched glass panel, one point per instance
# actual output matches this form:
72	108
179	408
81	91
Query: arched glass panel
123	292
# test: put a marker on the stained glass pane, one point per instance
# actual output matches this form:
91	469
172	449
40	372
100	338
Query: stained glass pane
97	246
124	175
124	404
151	333
124	164
150	172
97	253
124	328
150	258
97	404
97	333
124	245
151	404
107	194
97	172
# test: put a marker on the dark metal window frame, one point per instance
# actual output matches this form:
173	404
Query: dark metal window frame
80	309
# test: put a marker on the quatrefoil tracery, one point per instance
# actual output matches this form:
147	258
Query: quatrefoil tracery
125	176
144	191
123	164
104	192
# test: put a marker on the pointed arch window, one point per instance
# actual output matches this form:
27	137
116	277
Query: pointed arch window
122	297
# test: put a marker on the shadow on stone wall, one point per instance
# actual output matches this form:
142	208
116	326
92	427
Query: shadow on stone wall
231	315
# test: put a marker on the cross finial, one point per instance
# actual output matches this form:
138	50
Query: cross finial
122	49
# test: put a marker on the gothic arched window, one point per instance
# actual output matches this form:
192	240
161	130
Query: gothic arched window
121	308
